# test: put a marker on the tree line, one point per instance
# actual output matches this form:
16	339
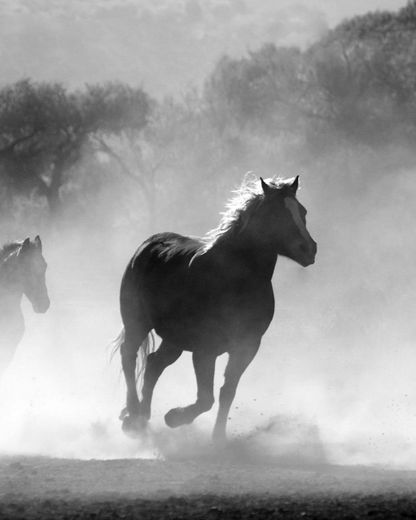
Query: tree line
354	90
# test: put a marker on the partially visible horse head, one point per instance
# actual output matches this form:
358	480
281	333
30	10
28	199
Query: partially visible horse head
32	267
286	220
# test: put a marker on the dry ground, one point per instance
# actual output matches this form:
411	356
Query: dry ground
34	487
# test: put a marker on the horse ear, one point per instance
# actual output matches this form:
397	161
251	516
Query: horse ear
38	242
295	185
25	245
265	187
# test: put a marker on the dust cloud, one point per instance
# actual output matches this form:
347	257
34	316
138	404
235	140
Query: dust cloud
333	381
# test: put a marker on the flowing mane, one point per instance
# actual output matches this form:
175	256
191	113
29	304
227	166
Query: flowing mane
8	248
239	208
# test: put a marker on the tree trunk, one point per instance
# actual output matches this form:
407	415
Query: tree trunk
53	190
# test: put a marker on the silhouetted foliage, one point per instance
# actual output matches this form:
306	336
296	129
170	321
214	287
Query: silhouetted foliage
356	84
365	70
45	130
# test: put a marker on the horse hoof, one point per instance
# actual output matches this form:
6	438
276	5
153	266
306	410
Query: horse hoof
175	418
219	443
123	414
134	426
219	440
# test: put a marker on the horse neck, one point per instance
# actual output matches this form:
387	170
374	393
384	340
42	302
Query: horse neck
10	285
245	247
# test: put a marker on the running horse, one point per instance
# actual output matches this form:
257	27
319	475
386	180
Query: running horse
209	296
22	271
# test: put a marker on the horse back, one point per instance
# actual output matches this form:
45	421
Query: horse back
157	269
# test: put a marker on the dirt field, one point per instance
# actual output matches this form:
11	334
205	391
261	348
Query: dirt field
32	487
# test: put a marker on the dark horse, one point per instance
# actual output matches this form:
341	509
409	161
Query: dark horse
22	271
209	296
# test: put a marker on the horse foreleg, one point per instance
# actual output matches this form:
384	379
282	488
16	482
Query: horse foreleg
165	355
204	366
237	364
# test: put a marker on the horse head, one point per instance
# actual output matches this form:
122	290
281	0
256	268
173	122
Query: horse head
33	268
286	221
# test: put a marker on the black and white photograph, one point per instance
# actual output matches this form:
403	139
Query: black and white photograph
207	259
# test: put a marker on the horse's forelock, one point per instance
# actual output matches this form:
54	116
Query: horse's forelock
279	184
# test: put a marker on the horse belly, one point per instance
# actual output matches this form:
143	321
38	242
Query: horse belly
189	330
215	323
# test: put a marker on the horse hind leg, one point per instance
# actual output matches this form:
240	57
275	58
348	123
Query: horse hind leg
166	354
134	336
204	366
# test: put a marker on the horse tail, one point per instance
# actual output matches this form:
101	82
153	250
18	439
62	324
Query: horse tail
116	343
147	347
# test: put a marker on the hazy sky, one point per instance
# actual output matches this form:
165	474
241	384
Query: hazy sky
336	10
164	45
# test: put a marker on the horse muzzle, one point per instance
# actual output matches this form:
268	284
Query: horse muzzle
307	261
306	253
42	306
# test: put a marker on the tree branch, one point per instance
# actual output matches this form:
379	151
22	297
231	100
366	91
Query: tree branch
8	149
125	170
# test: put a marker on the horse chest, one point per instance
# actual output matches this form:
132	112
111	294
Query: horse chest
10	305
11	324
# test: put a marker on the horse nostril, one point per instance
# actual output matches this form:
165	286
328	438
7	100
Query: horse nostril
308	249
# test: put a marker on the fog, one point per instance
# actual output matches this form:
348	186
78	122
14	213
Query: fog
163	45
334	379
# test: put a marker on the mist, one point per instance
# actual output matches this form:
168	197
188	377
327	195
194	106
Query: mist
165	45
333	381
